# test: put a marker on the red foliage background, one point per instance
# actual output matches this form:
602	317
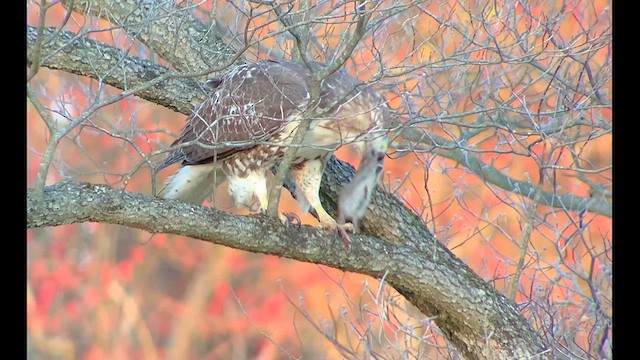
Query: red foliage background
98	291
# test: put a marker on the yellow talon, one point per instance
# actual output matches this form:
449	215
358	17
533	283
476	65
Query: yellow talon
263	200
326	221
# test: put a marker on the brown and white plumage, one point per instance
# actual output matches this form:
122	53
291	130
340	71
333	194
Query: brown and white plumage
242	130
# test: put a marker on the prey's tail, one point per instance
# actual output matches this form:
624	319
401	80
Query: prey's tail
193	183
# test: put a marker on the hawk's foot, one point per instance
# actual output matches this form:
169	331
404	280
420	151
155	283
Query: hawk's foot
332	224
289	218
341	230
327	222
257	208
261	204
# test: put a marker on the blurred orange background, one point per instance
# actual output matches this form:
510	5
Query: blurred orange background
97	291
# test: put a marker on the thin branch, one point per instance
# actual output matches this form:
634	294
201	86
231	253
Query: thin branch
54	137
530	215
493	176
37	48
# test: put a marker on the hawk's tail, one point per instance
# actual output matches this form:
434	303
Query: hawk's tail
193	183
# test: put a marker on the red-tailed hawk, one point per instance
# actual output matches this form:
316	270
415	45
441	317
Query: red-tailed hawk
242	130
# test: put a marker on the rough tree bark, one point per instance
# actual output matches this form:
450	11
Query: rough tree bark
479	321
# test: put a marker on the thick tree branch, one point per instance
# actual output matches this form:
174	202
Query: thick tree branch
482	323
167	29
81	56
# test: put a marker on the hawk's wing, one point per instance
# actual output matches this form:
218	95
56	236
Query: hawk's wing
249	105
